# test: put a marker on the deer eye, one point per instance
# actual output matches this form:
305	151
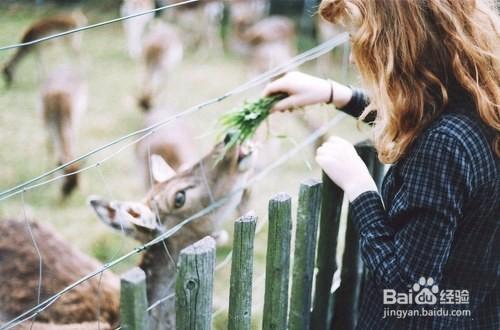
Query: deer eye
180	199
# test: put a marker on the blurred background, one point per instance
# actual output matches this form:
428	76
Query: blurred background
209	50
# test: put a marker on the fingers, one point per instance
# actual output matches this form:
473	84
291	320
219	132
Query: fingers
288	103
277	86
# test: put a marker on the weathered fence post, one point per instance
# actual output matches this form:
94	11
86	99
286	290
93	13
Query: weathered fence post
277	263
347	297
326	264
308	211
133	300
240	292
194	286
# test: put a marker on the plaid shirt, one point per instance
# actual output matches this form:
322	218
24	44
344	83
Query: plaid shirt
438	218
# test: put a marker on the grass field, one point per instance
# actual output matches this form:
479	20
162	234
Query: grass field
113	80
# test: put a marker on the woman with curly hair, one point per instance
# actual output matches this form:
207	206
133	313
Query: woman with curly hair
431	71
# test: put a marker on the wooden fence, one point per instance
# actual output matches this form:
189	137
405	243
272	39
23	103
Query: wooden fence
310	304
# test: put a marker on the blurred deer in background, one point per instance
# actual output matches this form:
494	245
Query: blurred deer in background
63	100
273	42
162	51
173	143
175	197
135	27
40	29
199	21
243	15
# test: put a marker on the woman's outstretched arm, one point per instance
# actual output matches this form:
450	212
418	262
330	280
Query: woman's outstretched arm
304	89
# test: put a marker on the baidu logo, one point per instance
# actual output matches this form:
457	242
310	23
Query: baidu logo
424	292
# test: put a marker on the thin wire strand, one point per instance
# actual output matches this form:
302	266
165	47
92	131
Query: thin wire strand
280	161
40	260
296	61
93	26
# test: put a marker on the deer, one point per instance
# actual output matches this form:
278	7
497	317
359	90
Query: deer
42	28
173	143
272	41
62	264
177	195
244	14
200	22
162	51
63	101
220	175
136	27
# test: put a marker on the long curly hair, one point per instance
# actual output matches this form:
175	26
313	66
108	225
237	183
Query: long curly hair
410	53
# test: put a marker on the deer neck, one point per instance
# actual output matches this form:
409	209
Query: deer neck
160	283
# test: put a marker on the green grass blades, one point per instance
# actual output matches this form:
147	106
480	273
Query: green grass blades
243	123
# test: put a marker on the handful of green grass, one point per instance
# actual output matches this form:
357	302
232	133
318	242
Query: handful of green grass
243	123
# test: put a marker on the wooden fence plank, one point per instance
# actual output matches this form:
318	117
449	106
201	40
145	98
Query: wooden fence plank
326	264
240	292
133	300
194	286
308	212
277	263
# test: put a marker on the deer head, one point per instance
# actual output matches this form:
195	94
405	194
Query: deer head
176	196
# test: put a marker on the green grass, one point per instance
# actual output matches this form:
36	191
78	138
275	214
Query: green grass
113	81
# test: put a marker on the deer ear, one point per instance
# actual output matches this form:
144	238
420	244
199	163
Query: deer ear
161	171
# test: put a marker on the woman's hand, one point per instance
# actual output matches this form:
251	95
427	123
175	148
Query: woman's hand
303	89
340	161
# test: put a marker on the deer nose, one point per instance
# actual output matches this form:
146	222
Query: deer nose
229	136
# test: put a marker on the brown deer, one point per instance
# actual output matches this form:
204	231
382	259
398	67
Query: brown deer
42	28
272	41
135	27
175	197
63	100
173	143
162	51
243	15
200	23
61	265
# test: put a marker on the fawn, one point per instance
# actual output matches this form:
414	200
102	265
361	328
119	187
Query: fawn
42	28
175	197
200	23
244	14
173	143
135	27
272	40
63	100
162	51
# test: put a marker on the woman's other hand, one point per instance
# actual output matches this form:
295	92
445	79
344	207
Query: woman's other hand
304	89
340	161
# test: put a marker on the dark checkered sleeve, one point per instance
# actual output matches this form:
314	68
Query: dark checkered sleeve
435	181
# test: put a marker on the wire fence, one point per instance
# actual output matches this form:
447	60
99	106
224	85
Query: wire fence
298	60
140	135
32	312
93	26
